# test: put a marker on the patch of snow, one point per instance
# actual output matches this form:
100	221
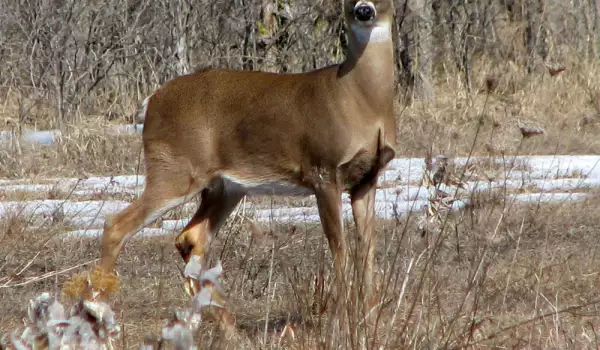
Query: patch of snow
87	222
541	167
48	137
566	184
26	208
177	225
383	210
546	198
275	213
562	166
105	191
5	182
66	208
94	233
117	181
539	184
313	218
404	169
26	188
97	233
132	184
129	128
43	137
92	208
402	193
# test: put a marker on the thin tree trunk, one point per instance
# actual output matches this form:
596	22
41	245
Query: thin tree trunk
182	13
269	22
424	50
596	9
247	63
535	34
415	52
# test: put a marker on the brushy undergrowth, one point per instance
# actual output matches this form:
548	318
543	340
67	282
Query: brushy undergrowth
91	322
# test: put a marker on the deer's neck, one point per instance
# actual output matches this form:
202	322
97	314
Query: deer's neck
369	68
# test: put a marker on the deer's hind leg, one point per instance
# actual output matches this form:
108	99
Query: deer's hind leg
165	189
219	199
162	193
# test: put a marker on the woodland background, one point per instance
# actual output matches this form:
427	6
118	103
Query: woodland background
67	60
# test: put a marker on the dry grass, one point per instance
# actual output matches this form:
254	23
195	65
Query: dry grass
88	148
517	277
566	106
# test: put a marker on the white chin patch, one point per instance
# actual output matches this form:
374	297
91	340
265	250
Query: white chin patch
371	34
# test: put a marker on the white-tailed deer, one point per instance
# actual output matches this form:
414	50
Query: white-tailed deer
227	134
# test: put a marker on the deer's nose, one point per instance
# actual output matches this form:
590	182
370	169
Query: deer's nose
364	12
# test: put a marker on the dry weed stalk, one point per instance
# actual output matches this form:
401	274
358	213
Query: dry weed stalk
91	323
555	69
179	331
440	201
530	132
180	328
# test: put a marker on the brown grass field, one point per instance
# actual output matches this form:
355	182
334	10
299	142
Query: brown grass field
496	275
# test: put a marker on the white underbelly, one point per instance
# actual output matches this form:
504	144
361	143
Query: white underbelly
266	188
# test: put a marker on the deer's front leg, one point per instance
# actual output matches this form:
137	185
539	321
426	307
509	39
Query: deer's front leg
329	202
363	209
